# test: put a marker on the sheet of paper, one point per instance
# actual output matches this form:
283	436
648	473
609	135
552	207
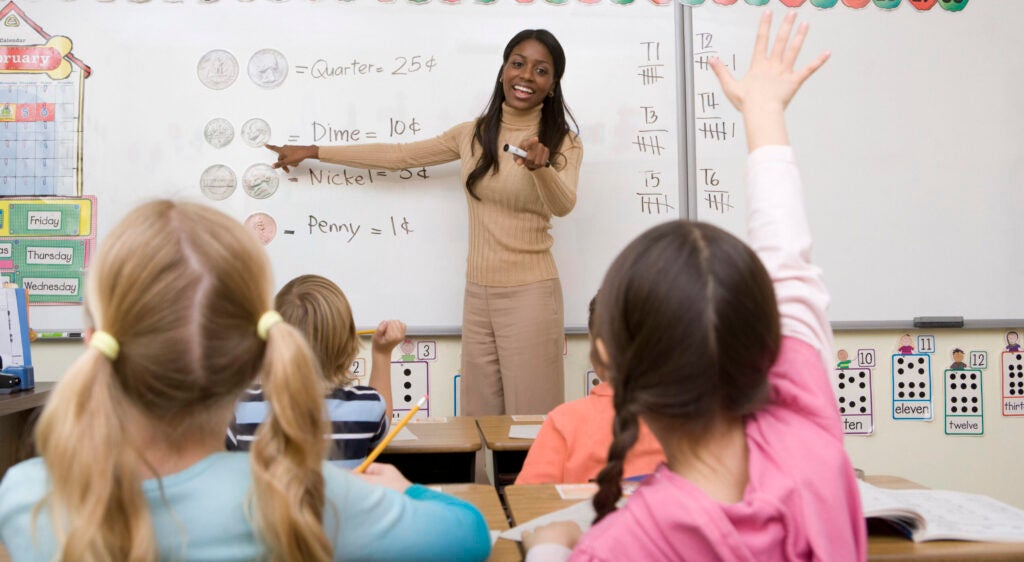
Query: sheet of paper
494	536
581	513
523	431
576	491
529	418
405	435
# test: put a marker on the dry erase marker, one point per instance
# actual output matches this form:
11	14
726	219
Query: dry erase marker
394	431
520	152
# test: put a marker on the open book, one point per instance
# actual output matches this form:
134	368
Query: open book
929	515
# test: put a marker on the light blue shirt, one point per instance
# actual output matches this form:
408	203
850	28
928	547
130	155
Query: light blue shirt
204	516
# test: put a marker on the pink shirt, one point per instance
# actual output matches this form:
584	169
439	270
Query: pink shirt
572	446
801	500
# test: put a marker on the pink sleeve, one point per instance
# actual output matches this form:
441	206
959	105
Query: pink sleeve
546	459
779	234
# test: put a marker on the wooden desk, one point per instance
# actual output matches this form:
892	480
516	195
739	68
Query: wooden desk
485	498
507	453
18	413
444	452
531	501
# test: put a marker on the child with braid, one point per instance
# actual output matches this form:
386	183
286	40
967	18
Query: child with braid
132	464
719	348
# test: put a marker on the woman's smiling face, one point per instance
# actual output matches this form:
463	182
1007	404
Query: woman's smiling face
528	75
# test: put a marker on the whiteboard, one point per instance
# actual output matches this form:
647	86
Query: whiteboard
356	70
909	144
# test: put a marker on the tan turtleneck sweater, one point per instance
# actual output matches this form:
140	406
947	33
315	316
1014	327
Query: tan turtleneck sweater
509	238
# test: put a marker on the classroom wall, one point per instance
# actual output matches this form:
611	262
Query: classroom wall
917	450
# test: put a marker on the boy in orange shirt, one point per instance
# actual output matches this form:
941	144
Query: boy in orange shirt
572	445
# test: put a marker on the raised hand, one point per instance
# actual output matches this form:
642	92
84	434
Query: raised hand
771	81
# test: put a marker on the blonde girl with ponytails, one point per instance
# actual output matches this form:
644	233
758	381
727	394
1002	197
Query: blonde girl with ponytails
132	466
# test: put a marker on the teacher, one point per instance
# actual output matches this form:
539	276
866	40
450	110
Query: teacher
512	323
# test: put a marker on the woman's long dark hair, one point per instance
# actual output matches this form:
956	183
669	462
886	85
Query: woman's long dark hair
688	317
554	117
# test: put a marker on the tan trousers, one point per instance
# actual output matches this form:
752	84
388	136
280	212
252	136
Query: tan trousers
512	344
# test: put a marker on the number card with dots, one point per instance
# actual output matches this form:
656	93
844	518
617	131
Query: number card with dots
853	394
911	386
965	412
410	381
1013	383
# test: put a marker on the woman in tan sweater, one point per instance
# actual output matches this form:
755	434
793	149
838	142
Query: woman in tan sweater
512	326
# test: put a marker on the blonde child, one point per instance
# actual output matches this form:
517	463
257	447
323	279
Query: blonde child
132	463
572	445
359	415
720	348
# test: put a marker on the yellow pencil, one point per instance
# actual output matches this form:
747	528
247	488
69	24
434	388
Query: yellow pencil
366	332
394	431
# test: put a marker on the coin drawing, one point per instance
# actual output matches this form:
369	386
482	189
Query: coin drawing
255	132
259	181
218	182
219	132
217	69
263	225
268	68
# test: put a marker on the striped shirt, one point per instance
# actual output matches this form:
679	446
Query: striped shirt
356	414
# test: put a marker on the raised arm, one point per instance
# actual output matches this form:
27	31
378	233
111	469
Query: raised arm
777	222
389	334
438	150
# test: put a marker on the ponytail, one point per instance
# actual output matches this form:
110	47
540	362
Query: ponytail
96	504
625	430
289	450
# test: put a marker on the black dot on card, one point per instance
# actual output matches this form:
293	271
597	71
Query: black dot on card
953	399
963	386
901	394
911	385
952	409
1019	357
974	409
922	387
408	398
974	400
899	361
974	376
407	372
974	386
842	410
863	398
863	374
902	384
952	376
852	404
952	386
862	385
863	410
920	361
842	377
920	371
900	371
963	376
910	395
842	386
407	385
